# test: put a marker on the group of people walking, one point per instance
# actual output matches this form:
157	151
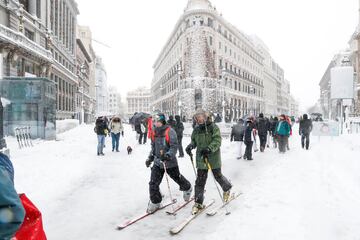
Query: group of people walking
277	129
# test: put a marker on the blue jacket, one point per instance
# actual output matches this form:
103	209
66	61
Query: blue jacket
283	128
12	212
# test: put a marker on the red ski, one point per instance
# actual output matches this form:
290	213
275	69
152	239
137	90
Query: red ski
134	220
180	207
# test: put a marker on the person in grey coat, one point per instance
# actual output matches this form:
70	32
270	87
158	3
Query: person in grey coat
164	146
237	135
12	212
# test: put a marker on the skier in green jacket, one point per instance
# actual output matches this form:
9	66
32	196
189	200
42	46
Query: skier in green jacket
206	139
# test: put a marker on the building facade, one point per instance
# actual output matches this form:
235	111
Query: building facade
354	44
102	107
115	105
138	101
84	102
331	109
208	63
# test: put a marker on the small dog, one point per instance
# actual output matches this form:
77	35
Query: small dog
129	150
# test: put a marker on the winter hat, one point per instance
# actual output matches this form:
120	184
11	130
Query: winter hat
177	118
261	115
160	117
305	117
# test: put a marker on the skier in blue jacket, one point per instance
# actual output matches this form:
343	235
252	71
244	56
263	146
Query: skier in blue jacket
12	212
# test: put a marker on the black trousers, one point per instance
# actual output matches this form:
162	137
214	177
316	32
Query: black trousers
181	149
283	143
248	150
157	175
305	139
142	137
263	140
202	175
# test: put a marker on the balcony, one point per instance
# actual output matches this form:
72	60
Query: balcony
19	40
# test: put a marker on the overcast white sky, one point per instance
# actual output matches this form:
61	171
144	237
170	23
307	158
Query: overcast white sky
302	35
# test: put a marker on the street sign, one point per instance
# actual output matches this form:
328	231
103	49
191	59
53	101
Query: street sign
342	82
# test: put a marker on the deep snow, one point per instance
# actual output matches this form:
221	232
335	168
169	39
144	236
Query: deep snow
301	195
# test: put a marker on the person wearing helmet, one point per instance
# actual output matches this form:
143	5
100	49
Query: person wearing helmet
164	145
206	139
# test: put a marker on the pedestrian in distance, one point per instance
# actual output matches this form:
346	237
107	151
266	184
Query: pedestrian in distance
163	156
179	129
116	129
262	125
206	139
273	131
283	129
237	135
305	129
102	130
249	138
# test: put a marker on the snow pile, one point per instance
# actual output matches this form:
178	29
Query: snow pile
302	195
66	125
5	102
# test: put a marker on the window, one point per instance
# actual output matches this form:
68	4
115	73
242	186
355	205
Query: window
29	34
220	45
38	8
210	22
211	41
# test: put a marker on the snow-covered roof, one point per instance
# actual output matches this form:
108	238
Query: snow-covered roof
198	4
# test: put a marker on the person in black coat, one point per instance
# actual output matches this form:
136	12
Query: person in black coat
305	129
171	122
179	129
249	139
262	127
273	131
102	130
237	135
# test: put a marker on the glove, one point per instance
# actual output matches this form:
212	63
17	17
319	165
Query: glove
205	152
188	149
166	157
122	133
149	161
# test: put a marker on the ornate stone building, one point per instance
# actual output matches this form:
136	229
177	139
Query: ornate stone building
209	63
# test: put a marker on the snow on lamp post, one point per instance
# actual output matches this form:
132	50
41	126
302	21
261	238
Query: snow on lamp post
179	74
222	90
2	140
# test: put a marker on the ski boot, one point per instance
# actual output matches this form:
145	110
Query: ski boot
197	208
226	196
153	207
187	194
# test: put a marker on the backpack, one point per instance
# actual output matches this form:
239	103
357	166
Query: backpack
167	136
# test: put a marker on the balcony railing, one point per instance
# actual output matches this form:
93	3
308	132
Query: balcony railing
15	38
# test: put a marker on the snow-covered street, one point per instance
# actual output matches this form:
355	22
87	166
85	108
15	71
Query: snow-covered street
312	195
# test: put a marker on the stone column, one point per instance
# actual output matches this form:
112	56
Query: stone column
32	7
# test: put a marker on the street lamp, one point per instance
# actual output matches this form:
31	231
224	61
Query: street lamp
222	90
179	74
2	140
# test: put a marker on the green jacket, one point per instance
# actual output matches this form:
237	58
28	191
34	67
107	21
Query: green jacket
210	137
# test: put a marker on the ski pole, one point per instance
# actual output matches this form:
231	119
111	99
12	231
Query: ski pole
193	165
167	181
217	187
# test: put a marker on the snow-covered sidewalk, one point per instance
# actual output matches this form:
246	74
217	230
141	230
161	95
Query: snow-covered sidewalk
301	195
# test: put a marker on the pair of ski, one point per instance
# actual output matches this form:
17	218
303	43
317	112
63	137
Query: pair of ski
142	216
177	229
188	220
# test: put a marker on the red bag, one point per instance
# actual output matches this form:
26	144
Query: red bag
32	227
